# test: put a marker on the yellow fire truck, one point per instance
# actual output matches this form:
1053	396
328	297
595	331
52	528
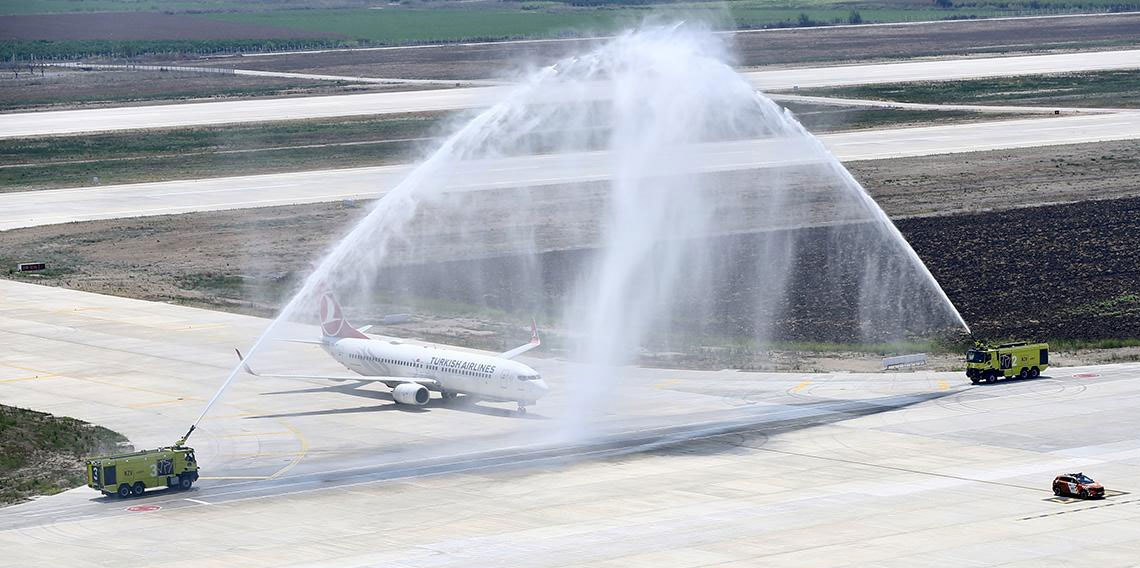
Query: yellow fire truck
990	363
132	474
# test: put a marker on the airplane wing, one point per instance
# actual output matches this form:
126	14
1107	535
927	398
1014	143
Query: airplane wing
390	382
318	341
534	342
307	341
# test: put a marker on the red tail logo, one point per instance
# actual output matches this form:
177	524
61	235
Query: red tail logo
333	323
332	319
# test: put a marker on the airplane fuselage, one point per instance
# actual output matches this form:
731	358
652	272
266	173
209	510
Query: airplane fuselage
482	376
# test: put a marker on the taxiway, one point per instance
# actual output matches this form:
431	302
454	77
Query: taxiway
697	468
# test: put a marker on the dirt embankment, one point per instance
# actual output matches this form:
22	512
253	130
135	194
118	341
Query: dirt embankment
41	454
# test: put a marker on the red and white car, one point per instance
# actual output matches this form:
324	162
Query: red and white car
1077	485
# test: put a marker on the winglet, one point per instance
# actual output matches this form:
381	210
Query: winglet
244	365
534	342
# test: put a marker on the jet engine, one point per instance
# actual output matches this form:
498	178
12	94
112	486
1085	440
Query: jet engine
411	393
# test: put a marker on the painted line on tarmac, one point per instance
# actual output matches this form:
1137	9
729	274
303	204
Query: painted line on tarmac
141	405
198	501
257	434
228	477
300	454
896	468
29	378
1054	514
265	455
32	369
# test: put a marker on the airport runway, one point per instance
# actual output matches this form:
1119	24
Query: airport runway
32	208
164	116
685	467
282	74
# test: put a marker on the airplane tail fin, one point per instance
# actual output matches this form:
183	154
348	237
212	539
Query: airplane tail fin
333	323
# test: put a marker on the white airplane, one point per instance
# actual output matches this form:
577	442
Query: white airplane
411	371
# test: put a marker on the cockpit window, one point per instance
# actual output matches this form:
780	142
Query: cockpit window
973	356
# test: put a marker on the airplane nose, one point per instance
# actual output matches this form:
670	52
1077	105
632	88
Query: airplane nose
540	386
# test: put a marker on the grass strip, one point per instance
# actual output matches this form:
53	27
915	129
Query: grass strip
1113	89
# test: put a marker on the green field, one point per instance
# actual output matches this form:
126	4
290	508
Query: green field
829	118
404	26
400	26
1110	89
12	7
357	23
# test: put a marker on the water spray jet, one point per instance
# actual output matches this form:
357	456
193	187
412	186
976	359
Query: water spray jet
657	259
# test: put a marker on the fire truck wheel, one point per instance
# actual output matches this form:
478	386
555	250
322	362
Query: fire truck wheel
991	377
124	491
138	488
184	482
1034	373
1024	373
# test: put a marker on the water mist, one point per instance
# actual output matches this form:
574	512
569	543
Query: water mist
709	213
